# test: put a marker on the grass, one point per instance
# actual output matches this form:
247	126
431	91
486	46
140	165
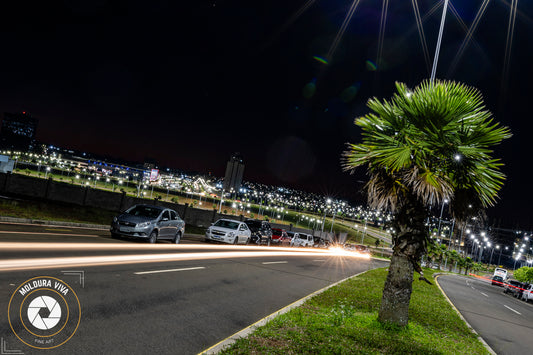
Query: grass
55	212
343	320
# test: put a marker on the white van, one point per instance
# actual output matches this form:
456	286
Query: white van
302	240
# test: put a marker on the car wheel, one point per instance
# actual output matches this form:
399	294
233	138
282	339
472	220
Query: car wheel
268	242
152	239
247	240
236	240
177	238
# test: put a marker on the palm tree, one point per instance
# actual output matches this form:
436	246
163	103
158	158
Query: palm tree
421	147
453	257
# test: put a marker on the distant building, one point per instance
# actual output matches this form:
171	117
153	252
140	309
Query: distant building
18	131
234	173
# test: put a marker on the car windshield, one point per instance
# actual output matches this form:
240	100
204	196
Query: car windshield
276	232
226	224
253	224
144	211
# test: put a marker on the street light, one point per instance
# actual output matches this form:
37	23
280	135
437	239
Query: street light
325	210
440	218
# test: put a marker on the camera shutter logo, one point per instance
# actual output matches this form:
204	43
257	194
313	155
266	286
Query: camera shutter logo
35	314
44	312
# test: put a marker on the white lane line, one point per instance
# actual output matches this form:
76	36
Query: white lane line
58	234
168	270
484	294
274	262
512	310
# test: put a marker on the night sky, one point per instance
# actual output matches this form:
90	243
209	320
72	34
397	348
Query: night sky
189	83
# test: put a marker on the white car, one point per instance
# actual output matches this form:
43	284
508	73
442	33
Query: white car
302	240
527	295
228	231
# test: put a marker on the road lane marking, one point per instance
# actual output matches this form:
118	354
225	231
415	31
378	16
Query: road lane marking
512	310
484	294
168	270
274	262
60	234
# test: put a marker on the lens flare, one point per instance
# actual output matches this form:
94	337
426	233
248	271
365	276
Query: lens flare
371	66
320	59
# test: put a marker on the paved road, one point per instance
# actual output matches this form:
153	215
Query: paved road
178	306
504	322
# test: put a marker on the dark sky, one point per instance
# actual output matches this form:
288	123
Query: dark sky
188	83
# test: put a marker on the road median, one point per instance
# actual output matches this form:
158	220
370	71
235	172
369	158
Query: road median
343	320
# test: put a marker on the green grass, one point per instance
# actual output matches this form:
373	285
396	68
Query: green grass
343	320
55	212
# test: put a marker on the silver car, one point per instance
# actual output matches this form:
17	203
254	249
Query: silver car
228	231
150	223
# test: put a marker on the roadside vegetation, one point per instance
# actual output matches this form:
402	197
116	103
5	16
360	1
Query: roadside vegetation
54	211
299	219
343	320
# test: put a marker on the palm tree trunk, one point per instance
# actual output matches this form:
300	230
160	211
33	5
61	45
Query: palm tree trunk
397	291
409	244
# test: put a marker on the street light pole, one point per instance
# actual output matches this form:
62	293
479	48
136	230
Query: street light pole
440	219
439	41
333	221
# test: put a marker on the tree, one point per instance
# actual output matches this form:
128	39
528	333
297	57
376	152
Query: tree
453	257
524	274
421	147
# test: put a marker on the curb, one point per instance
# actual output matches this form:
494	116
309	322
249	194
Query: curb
489	349
215	349
52	223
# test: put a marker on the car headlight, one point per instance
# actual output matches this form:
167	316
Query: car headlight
115	219
143	225
231	234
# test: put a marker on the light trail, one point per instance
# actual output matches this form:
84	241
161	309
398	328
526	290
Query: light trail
221	252
61	262
122	246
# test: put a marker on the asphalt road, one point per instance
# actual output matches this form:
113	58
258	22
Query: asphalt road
159	299
504	322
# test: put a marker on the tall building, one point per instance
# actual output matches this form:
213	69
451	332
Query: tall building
234	173
18	131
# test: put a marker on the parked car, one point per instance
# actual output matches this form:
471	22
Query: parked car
302	240
360	248
527	294
511	286
228	231
497	280
261	231
278	235
148	222
520	292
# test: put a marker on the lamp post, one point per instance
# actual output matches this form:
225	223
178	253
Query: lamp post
491	252
333	221
440	218
325	210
